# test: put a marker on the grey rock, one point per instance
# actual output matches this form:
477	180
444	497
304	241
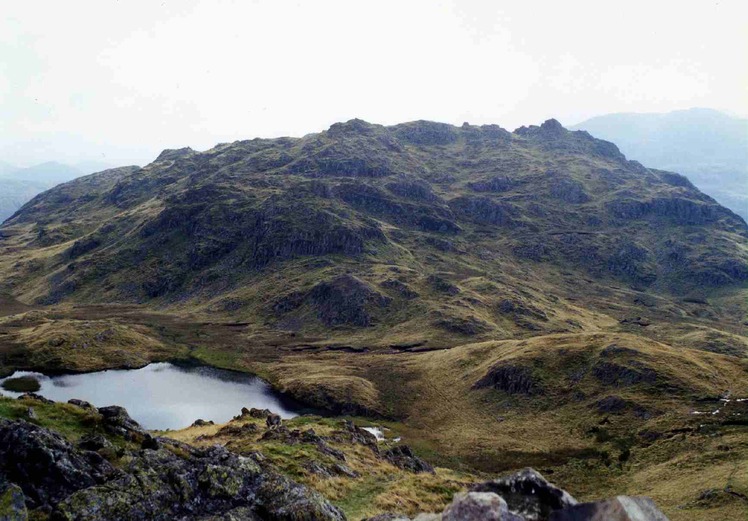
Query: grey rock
528	494
621	508
478	506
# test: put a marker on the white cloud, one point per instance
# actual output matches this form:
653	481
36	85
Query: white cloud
134	77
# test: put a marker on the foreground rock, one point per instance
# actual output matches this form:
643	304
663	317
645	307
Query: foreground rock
527	496
42	471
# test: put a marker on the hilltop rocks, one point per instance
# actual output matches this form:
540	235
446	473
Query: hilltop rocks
483	210
681	211
484	506
117	421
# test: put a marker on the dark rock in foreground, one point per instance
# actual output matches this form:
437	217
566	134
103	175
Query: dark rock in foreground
529	494
165	480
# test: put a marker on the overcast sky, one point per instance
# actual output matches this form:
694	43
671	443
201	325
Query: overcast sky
119	81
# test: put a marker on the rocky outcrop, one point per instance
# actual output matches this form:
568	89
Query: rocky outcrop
512	379
403	457
169	480
45	465
483	210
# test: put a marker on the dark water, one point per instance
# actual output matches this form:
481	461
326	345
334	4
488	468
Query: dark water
166	396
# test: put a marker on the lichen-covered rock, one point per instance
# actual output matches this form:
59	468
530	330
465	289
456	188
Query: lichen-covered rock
12	502
512	379
45	465
528	494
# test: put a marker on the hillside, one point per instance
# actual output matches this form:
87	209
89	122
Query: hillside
498	299
708	146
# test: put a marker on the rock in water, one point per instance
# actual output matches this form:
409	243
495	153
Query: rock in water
621	508
528	494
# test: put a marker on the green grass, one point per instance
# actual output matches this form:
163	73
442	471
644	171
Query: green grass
70	421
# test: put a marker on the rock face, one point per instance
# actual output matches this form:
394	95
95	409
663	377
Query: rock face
41	470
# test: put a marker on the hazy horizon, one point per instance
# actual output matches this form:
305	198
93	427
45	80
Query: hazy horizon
126	81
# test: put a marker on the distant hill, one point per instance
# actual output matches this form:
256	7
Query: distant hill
18	185
708	146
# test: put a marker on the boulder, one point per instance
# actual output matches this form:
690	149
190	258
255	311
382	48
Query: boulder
117	421
528	494
621	508
478	506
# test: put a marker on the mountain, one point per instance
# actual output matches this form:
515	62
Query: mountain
709	147
419	224
498	299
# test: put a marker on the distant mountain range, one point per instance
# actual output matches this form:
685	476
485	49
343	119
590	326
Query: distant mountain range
18	185
708	146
